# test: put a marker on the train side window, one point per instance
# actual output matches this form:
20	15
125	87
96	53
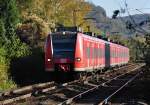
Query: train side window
115	53
88	52
92	52
100	53
112	53
123	54
120	53
94	56
95	53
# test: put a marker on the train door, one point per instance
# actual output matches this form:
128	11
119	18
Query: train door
95	55
117	55
92	55
107	55
87	53
103	55
111	55
116	61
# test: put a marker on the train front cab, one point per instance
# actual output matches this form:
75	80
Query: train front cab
64	51
59	52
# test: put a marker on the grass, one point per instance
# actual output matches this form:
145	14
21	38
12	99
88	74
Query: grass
5	82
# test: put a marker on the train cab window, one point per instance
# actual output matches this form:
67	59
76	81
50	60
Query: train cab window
63	46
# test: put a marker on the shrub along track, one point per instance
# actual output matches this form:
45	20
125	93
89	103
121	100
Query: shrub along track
72	92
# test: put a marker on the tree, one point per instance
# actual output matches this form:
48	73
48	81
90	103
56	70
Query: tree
43	15
8	23
2	36
9	14
2	32
10	45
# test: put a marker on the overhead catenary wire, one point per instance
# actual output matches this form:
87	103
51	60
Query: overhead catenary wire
120	17
133	21
135	26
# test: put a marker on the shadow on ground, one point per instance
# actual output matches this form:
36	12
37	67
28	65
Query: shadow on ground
29	70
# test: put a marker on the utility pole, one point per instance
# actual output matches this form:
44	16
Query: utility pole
74	17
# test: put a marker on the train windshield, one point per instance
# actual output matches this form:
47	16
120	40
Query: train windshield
64	46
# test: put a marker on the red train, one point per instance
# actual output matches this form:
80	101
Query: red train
77	52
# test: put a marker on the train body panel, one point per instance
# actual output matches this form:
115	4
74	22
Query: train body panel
92	51
82	53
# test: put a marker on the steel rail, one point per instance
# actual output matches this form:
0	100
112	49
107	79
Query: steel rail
25	89
28	91
105	101
70	100
21	93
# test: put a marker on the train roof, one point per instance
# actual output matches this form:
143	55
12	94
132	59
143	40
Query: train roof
85	35
98	39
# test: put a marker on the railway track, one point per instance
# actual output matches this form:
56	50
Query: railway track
72	92
105	91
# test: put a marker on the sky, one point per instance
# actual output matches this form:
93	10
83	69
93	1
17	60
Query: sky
143	6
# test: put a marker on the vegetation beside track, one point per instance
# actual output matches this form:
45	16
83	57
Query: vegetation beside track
11	46
5	82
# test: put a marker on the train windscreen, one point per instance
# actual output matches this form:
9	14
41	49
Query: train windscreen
64	46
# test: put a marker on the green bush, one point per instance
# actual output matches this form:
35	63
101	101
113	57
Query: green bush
16	48
2	55
11	46
5	83
2	48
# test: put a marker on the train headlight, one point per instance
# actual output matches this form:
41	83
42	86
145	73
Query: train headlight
78	59
48	60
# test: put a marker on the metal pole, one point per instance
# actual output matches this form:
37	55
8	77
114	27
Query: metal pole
74	17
